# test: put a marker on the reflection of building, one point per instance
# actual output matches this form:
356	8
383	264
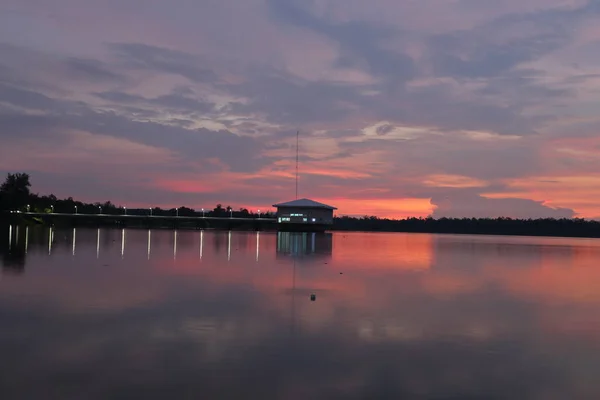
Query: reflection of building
304	214
304	244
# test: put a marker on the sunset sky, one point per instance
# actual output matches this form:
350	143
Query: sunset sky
405	107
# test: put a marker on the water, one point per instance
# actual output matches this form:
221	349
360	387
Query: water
97	314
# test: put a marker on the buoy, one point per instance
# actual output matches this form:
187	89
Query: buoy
313	297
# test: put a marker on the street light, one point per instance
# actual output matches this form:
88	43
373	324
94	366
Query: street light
124	210
75	209
150	211
203	213
99	210
258	214
231	213
52	209
27	207
177	212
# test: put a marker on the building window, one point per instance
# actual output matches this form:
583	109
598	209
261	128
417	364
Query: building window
305	219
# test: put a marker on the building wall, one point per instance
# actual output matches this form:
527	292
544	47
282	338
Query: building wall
305	215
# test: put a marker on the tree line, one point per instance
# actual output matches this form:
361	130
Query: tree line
575	227
15	195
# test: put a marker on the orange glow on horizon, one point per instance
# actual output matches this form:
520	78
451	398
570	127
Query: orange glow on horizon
383	208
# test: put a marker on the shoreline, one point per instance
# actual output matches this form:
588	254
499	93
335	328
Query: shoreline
485	227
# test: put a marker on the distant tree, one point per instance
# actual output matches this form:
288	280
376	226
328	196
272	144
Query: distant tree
14	192
186	211
218	210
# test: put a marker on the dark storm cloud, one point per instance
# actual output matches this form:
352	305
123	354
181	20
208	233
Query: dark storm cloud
160	59
16	127
496	47
25	66
284	99
479	52
472	54
360	42
25	98
289	100
90	69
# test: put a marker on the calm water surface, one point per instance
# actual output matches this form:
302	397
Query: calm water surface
99	314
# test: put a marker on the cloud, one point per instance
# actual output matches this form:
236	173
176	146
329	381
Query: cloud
469	205
395	103
359	42
172	101
91	69
27	99
159	59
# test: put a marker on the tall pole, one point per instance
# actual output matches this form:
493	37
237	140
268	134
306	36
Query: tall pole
297	136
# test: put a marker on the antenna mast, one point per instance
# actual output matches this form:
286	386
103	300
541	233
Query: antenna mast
297	135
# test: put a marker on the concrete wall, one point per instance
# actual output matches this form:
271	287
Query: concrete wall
298	214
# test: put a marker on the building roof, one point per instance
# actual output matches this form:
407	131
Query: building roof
305	203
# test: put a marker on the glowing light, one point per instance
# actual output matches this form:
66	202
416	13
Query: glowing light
123	243
229	246
74	236
201	242
26	238
9	237
149	236
98	244
175	245
257	244
50	236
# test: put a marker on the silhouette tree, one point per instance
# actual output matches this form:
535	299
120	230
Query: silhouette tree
14	192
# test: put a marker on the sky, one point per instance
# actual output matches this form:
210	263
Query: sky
405	108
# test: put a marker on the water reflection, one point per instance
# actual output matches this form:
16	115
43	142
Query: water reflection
228	315
299	244
123	243
174	245
229	246
74	239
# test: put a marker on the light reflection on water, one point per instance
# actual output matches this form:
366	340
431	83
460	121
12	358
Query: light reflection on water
99	313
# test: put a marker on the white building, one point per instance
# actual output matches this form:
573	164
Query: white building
304	212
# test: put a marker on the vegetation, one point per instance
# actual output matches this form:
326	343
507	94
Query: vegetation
15	196
489	226
14	192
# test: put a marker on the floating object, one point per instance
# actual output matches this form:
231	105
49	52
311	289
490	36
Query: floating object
313	297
